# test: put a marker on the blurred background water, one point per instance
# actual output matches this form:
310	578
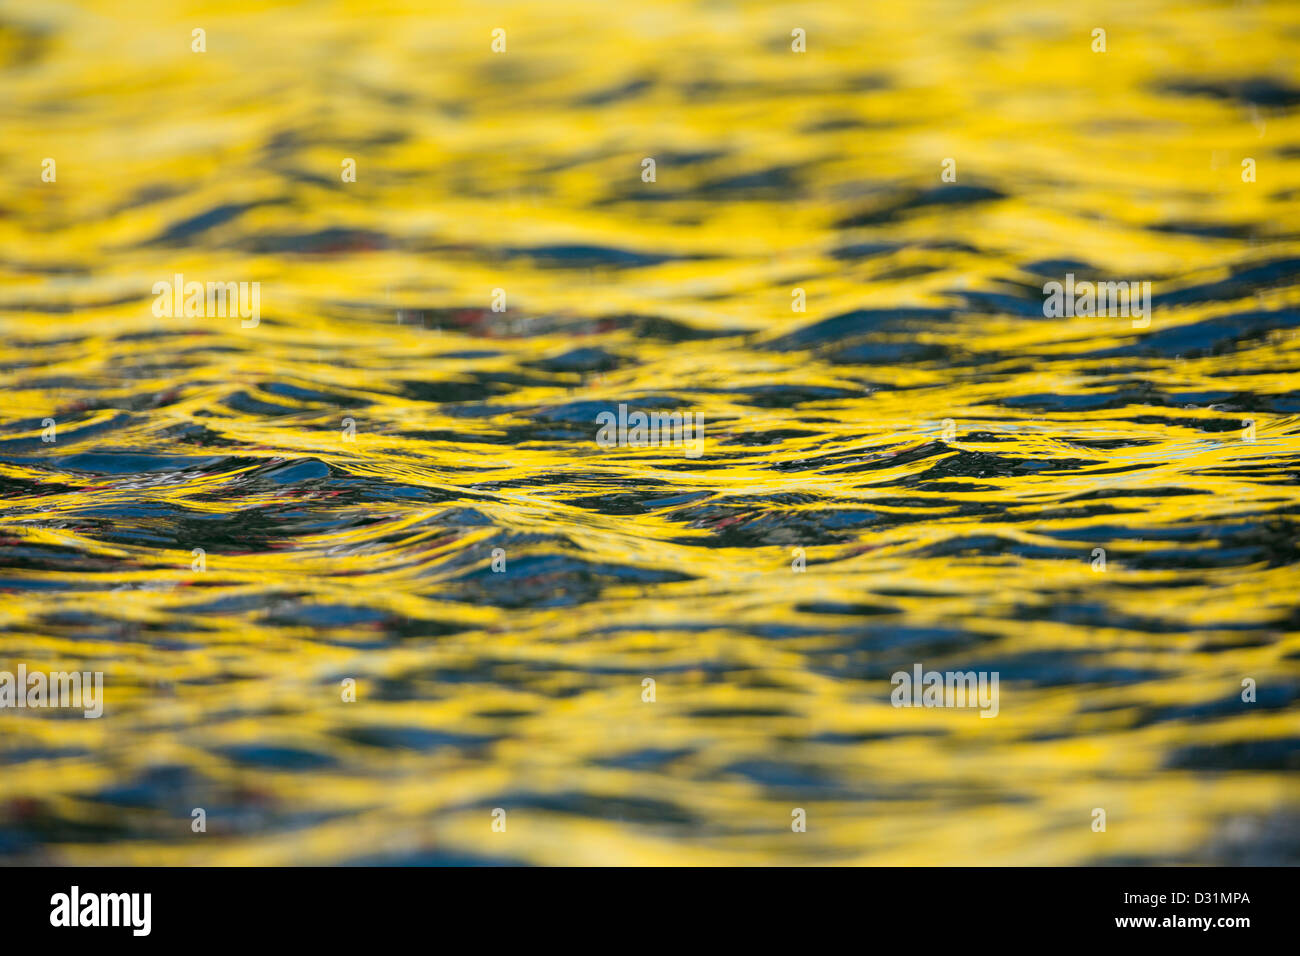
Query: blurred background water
966	548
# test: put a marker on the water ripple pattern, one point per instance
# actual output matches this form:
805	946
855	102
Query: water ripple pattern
382	479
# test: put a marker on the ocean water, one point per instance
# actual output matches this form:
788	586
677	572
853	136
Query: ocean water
358	574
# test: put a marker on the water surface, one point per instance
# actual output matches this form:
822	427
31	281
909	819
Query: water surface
962	546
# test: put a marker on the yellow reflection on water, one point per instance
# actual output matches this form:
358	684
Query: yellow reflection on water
522	172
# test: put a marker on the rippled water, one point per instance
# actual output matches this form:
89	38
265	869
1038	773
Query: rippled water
946	459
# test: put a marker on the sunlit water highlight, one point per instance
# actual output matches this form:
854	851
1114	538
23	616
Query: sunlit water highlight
966	549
